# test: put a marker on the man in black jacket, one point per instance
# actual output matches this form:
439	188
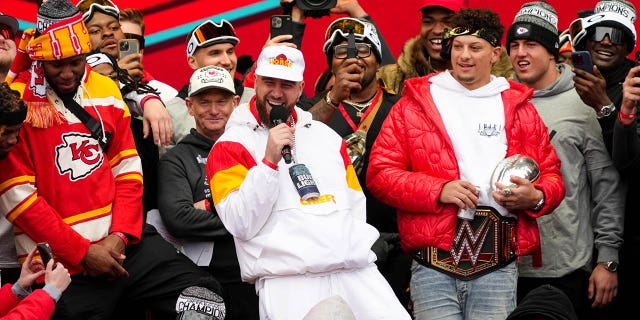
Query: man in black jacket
184	197
358	104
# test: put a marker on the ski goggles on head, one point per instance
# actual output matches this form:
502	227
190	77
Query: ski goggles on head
361	30
616	36
89	7
449	34
209	33
6	32
345	26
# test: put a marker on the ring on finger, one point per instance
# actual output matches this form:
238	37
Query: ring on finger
506	192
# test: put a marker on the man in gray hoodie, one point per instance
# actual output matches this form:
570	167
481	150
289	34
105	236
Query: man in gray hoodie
592	211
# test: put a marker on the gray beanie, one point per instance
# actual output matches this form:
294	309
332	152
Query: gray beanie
536	21
54	11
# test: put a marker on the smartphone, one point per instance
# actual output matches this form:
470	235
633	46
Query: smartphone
281	24
45	252
127	47
582	60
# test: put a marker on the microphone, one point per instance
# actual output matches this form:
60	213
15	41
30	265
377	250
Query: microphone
278	115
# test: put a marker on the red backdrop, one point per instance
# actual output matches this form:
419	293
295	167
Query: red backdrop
397	20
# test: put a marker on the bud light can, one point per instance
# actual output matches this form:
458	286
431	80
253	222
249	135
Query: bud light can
303	181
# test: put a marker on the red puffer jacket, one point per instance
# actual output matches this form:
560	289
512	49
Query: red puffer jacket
37	305
413	158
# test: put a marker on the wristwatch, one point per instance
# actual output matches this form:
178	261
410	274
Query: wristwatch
329	101
540	204
606	111
611	266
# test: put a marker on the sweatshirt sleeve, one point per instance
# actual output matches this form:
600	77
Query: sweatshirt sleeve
244	191
176	200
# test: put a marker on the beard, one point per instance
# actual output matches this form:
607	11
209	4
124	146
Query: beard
265	118
262	113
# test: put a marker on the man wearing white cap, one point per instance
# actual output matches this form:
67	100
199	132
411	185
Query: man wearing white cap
184	196
284	187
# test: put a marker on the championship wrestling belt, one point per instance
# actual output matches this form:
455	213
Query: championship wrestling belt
480	246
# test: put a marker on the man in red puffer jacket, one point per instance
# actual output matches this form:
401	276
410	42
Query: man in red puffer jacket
434	159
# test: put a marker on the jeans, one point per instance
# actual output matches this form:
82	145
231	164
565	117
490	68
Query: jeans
438	296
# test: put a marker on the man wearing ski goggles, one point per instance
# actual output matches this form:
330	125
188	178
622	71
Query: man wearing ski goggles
209	33
208	44
364	32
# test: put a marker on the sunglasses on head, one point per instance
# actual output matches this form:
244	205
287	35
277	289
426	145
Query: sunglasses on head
6	32
209	32
616	36
363	50
137	37
463	31
345	26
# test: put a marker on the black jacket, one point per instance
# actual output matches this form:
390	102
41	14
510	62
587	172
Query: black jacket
182	182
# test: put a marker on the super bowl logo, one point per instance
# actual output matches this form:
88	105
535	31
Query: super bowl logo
79	155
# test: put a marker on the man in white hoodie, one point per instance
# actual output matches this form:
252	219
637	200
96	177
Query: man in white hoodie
287	191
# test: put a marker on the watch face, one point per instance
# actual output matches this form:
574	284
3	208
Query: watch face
606	111
612	266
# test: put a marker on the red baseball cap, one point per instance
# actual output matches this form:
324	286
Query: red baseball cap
453	5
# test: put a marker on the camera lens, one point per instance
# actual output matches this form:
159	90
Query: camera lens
124	46
276	22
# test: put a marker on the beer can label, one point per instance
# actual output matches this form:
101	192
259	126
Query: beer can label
303	181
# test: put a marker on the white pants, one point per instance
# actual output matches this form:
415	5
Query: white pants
365	290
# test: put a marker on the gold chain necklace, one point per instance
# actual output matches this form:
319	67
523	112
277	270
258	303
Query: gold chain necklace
359	106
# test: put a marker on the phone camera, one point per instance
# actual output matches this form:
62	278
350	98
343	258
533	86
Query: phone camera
124	46
276	22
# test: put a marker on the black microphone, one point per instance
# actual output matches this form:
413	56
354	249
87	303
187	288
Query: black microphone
278	115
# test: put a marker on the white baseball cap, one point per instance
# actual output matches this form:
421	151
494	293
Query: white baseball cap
210	77
281	62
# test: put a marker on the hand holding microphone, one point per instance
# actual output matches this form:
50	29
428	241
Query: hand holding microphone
280	137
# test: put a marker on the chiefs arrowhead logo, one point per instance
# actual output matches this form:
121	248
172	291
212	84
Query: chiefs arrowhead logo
79	155
522	30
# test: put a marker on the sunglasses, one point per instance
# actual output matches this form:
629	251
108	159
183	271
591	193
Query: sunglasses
616	36
211	33
462	31
6	32
137	37
363	50
345	26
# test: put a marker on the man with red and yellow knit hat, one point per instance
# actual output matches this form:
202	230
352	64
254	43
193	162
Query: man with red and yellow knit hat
77	184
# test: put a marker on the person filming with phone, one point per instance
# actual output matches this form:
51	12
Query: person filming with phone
18	301
610	36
